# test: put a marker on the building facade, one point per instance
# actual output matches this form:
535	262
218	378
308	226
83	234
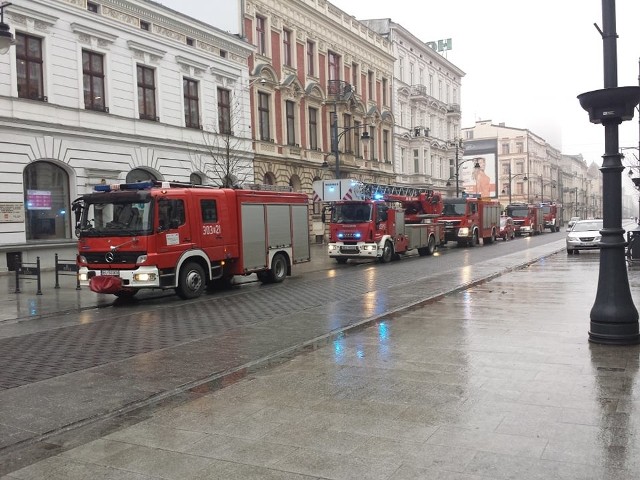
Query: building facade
426	95
110	91
528	169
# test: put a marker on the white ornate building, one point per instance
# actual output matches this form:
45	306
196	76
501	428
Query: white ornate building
426	96
108	91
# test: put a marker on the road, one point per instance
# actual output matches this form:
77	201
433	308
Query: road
67	372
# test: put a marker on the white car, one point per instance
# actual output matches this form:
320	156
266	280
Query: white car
572	221
584	235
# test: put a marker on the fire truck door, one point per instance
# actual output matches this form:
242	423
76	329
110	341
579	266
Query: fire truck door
212	236
174	234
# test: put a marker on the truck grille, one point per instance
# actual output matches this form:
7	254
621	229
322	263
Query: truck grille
118	257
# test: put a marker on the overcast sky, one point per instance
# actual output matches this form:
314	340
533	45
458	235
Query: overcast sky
525	62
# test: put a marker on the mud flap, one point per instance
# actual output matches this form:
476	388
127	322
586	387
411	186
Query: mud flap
105	284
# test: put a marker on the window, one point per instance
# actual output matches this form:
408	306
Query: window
93	80
191	42
171	213
191	101
356	150
519	147
385	145
209	211
145	25
46	198
286	47
505	148
416	161
431	85
412	69
146	93
384	91
139	175
261	35
401	68
372	142
92	7
354	75
263	116
370	79
346	120
29	67
334	66
291	122
224	111
313	128
310	56
195	179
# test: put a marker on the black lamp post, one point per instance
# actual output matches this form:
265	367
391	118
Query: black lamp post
458	144
6	38
335	140
614	318
511	177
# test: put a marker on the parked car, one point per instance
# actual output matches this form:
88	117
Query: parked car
507	229
572	221
584	235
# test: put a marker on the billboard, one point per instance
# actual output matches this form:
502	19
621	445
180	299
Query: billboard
482	181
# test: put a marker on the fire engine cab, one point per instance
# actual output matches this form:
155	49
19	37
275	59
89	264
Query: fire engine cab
379	221
185	237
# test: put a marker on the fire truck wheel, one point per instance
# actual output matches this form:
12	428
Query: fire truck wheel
387	253
191	282
278	270
474	239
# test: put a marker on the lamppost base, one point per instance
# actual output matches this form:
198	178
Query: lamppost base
614	334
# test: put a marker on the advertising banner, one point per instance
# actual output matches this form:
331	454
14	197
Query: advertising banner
481	181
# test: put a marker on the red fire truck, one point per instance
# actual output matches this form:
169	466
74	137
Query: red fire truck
552	216
527	219
184	237
378	221
467	220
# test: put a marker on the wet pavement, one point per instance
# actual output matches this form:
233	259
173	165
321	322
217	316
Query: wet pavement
489	375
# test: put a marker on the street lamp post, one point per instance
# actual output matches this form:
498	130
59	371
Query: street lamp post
6	38
335	140
457	173
511	177
614	317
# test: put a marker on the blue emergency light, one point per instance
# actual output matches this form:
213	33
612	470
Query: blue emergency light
124	186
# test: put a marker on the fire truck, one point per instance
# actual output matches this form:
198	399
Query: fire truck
552	216
527	219
468	219
369	220
184	237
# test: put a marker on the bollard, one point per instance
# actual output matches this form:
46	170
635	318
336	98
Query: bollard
39	292
17	266
56	269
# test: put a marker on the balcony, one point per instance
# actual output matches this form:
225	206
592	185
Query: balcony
340	90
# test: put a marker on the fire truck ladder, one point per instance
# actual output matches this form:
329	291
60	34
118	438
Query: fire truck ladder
373	189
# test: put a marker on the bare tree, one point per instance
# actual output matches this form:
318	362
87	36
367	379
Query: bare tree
223	156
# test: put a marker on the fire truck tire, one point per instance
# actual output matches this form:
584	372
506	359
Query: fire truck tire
475	239
191	282
431	245
387	253
278	271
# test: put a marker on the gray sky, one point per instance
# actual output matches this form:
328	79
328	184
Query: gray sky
525	61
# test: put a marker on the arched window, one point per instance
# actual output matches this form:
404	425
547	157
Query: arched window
140	175
46	200
269	179
295	183
317	206
195	179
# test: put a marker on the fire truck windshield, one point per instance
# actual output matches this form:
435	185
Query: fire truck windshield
518	212
454	209
116	219
351	213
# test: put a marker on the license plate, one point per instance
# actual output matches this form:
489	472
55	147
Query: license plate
113	273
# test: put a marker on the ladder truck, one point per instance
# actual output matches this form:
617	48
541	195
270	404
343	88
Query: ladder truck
377	221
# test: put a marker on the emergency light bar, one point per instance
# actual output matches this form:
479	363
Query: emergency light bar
124	186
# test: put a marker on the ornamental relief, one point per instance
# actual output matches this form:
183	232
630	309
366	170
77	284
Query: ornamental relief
170	34
119	16
17	18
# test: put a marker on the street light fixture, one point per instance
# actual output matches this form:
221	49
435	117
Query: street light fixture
476	165
6	38
511	177
335	140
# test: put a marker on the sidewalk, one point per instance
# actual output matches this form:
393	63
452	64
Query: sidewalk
496	381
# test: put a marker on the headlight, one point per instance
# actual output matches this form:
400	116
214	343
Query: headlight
597	238
332	247
83	277
463	232
144	277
